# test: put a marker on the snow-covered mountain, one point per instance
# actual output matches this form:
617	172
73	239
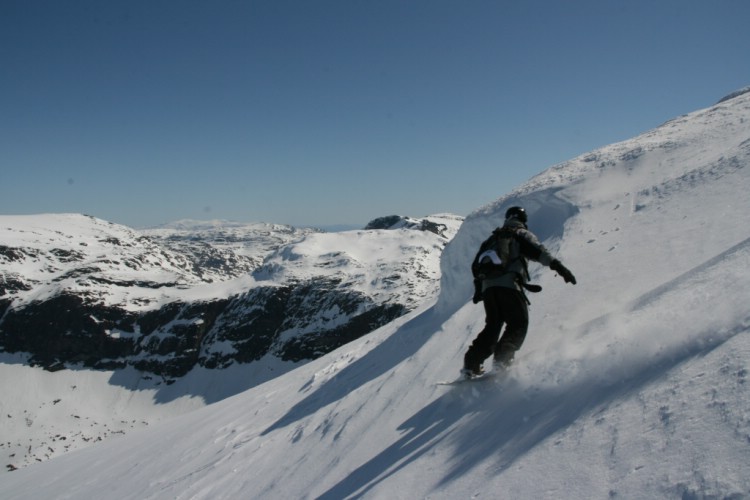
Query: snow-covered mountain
76	289
220	249
158	305
632	384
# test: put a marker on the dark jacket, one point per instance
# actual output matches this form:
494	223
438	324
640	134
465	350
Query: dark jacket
524	247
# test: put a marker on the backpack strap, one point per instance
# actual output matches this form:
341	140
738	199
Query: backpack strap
487	262
513	232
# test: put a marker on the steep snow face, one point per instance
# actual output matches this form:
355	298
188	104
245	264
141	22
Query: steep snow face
631	384
621	198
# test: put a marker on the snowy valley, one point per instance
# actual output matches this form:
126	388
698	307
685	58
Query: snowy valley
161	321
632	384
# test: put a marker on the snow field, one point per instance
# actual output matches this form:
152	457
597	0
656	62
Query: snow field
632	384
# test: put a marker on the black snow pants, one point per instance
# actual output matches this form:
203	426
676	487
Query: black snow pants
501	306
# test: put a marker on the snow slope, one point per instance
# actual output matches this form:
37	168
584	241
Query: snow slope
632	384
48	414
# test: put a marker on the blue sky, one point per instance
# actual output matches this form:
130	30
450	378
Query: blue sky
335	112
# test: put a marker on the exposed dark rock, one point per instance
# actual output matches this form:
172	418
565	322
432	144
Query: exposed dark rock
64	329
175	338
77	323
397	221
384	222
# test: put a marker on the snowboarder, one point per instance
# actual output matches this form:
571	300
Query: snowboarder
501	282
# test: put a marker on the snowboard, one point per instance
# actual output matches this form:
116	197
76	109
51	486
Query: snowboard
479	378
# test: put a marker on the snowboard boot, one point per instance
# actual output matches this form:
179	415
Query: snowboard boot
471	370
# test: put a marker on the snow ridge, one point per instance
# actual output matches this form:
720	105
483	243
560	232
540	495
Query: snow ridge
631	384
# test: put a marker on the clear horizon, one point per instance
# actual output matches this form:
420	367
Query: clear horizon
335	113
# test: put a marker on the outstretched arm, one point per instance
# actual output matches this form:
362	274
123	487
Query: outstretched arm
534	250
563	271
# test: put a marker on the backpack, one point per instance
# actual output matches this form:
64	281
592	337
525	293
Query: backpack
494	255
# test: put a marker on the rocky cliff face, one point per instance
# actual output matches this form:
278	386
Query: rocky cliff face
79	291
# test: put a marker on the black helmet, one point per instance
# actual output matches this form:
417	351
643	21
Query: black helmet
517	213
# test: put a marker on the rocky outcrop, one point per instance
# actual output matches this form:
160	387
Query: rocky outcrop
399	222
80	292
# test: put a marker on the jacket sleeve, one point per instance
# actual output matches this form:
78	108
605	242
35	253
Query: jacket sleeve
532	249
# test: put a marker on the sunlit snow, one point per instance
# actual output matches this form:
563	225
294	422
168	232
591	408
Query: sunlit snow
632	384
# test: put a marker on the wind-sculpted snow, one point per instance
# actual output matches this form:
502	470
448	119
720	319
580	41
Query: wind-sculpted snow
685	154
631	384
548	212
736	93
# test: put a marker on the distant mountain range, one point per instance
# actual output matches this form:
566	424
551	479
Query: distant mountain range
77	291
632	384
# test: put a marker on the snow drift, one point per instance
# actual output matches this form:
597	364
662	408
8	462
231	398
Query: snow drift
631	384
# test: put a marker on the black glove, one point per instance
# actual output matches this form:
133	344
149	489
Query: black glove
563	271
